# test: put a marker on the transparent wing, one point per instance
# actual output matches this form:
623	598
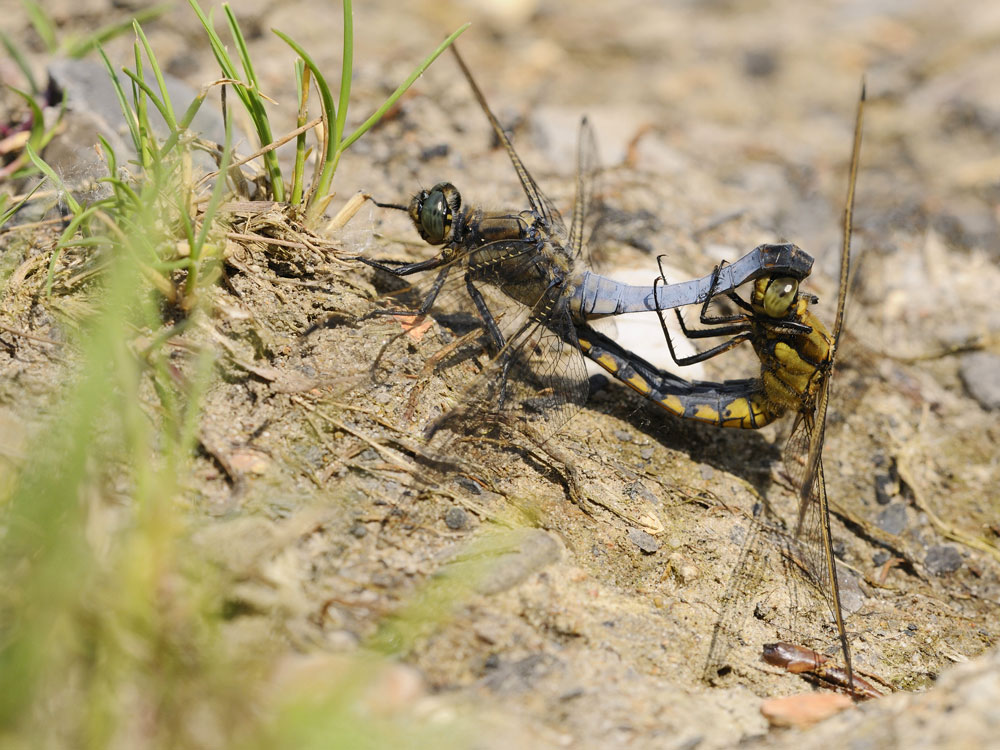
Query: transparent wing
812	548
813	527
533	378
533	385
816	441
587	166
540	203
736	602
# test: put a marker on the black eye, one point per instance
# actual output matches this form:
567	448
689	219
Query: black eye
435	217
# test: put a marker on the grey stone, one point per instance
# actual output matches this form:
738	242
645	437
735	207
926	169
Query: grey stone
760	63
942	559
456	518
892	518
852	598
885	489
644	541
86	86
980	373
92	109
512	558
638	491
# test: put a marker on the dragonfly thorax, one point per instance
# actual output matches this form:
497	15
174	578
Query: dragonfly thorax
794	364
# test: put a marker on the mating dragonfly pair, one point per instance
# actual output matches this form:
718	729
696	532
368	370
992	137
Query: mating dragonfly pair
526	277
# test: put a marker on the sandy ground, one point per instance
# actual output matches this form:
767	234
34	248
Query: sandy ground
721	126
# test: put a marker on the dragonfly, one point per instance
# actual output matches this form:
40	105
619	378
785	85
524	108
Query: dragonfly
797	354
524	274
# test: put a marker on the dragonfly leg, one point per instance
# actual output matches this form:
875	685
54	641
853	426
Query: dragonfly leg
401	268
707	333
741	331
489	322
427	303
708	353
707	319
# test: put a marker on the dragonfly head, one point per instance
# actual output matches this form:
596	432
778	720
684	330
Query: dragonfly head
433	212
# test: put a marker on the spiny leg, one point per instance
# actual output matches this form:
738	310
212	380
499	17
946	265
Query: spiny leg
425	305
742	334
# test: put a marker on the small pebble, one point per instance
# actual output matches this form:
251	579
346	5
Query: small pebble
645	541
852	598
456	518
434	152
469	485
646	454
638	491
980	373
803	710
623	436
892	519
880	557
684	572
523	553
885	489
760	63
707	472
358	529
942	559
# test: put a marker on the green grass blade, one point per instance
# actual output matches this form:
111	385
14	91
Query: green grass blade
42	24
218	48
346	72
59	185
192	110
248	95
224	60
218	190
163	109
184	123
127	111
20	60
37	119
81	47
139	100
241	47
127	198
167	109
329	114
303	81
7	213
259	113
65	241
110	158
377	115
208	218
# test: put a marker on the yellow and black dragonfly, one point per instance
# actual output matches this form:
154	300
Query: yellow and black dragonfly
796	353
524	276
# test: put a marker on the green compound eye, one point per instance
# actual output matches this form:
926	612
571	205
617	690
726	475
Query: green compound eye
780	294
435	217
